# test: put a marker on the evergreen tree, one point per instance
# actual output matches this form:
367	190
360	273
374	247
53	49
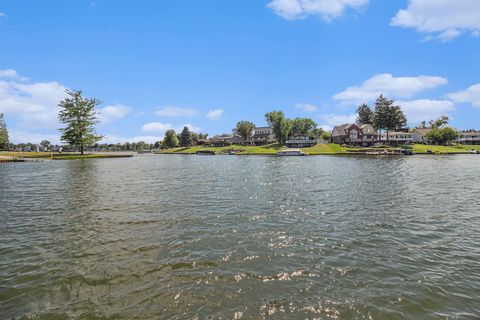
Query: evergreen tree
4	144
365	114
170	140
388	116
280	125
185	138
79	116
245	130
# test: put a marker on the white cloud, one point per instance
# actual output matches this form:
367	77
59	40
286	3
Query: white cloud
425	109
215	114
326	127
163	127
307	107
35	104
171	111
333	119
12	75
470	95
388	85
190	127
325	9
446	19
156	127
112	113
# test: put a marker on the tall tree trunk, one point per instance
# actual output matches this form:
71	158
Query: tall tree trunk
388	138
81	149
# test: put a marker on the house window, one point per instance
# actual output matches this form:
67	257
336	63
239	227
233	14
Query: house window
354	134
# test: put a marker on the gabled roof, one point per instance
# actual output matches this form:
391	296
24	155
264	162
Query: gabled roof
422	131
363	126
340	130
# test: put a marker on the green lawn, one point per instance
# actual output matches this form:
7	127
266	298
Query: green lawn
268	149
319	149
259	150
422	149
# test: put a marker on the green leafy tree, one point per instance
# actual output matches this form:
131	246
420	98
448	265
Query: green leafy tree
388	116
326	136
439	122
434	136
79	116
4	144
364	114
170	140
449	134
245	130
279	124
141	145
317	133
45	144
442	136
302	127
185	138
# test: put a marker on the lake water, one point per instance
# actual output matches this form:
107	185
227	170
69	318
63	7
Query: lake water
241	237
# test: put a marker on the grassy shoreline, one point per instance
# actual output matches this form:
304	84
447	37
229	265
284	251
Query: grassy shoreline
268	150
59	156
320	149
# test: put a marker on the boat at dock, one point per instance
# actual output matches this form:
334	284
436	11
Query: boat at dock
290	152
206	153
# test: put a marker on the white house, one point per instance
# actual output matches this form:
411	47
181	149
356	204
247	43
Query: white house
398	137
470	138
419	135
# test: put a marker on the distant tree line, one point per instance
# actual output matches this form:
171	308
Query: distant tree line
4	142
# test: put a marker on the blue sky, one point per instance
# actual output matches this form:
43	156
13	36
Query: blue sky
210	63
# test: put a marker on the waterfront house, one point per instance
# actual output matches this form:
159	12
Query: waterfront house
300	142
470	138
262	136
220	141
354	134
225	140
419	135
399	137
199	142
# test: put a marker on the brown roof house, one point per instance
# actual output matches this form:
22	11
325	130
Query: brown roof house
355	134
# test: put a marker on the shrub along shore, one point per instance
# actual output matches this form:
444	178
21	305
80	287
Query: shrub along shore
319	149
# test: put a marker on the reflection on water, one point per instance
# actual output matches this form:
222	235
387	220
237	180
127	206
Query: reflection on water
180	237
